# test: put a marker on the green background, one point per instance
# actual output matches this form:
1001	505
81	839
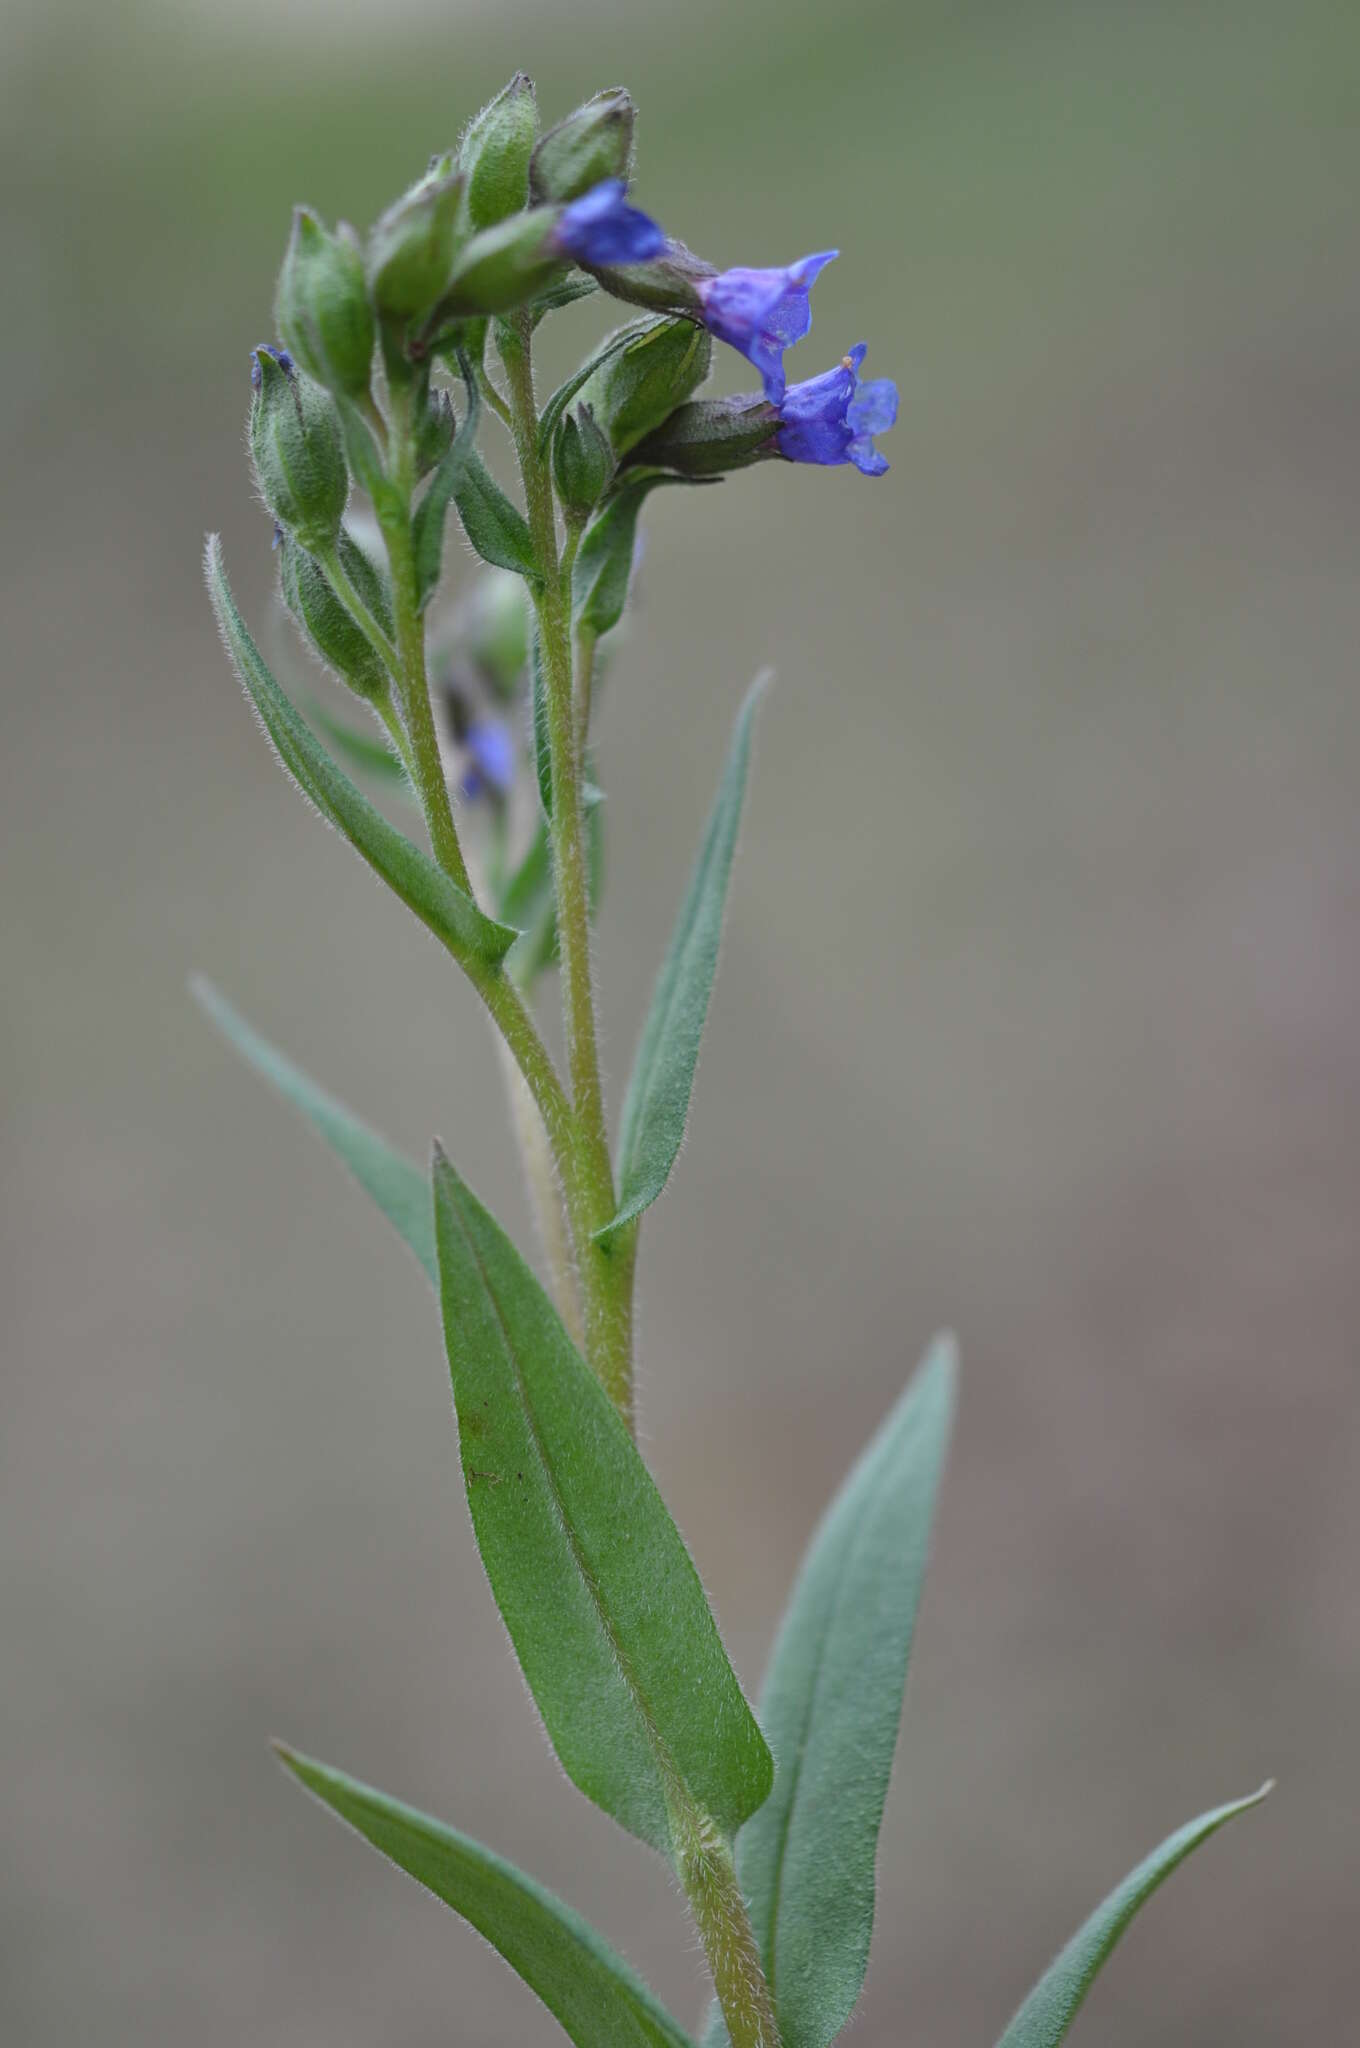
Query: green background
1039	1015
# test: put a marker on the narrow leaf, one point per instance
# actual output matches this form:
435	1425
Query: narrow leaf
449	913
538	689
604	564
585	1984
656	1106
427	527
400	1189
593	1581
495	527
363	750
1052	2005
830	1708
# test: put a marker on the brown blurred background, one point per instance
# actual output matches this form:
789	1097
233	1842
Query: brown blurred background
1039	1015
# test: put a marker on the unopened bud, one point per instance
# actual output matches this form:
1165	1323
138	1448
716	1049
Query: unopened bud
594	143
494	154
325	620
296	445
712	435
583	461
321	305
503	266
639	387
411	249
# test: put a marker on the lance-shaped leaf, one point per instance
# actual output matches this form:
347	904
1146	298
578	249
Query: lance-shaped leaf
600	1596
363	750
447	910
584	1983
495	527
603	569
427	527
830	1708
400	1189
1052	2005
656	1106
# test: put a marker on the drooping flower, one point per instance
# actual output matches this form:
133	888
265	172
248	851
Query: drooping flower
489	760
601	228
833	418
762	312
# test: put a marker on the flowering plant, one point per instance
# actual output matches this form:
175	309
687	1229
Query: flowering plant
485	724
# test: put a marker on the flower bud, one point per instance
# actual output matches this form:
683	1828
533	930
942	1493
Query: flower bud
334	633
594	143
712	435
583	461
639	387
494	154
503	266
296	445
411	249
321	306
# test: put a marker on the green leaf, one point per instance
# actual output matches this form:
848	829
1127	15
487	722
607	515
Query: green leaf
584	1983
448	912
604	562
362	750
1052	2005
830	1708
495	527
400	1189
427	527
656	1106
538	691
600	1597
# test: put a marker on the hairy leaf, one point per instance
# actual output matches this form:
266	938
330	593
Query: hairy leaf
590	1989
604	564
363	750
1052	2005
656	1106
400	1189
447	910
593	1581
495	527
564	394
830	1708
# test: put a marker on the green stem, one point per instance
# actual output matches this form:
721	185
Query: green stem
585	682
606	1277
709	1877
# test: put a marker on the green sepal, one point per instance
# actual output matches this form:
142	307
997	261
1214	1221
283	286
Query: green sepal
1052	2005
830	1708
427	525
322	616
321	305
411	249
445	909
656	1106
503	267
593	143
400	1189
638	386
298	451
495	527
553	410
495	151
365	751
599	1595
586	1985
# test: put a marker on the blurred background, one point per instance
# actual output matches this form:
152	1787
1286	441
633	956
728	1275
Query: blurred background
1039	1016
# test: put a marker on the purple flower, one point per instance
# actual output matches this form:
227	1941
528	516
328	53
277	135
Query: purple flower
833	418
489	747
602	228
763	312
281	357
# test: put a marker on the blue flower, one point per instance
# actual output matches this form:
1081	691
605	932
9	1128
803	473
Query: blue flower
601	228
489	746
281	357
833	418
763	312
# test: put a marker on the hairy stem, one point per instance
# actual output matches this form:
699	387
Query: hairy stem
606	1277
707	1872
